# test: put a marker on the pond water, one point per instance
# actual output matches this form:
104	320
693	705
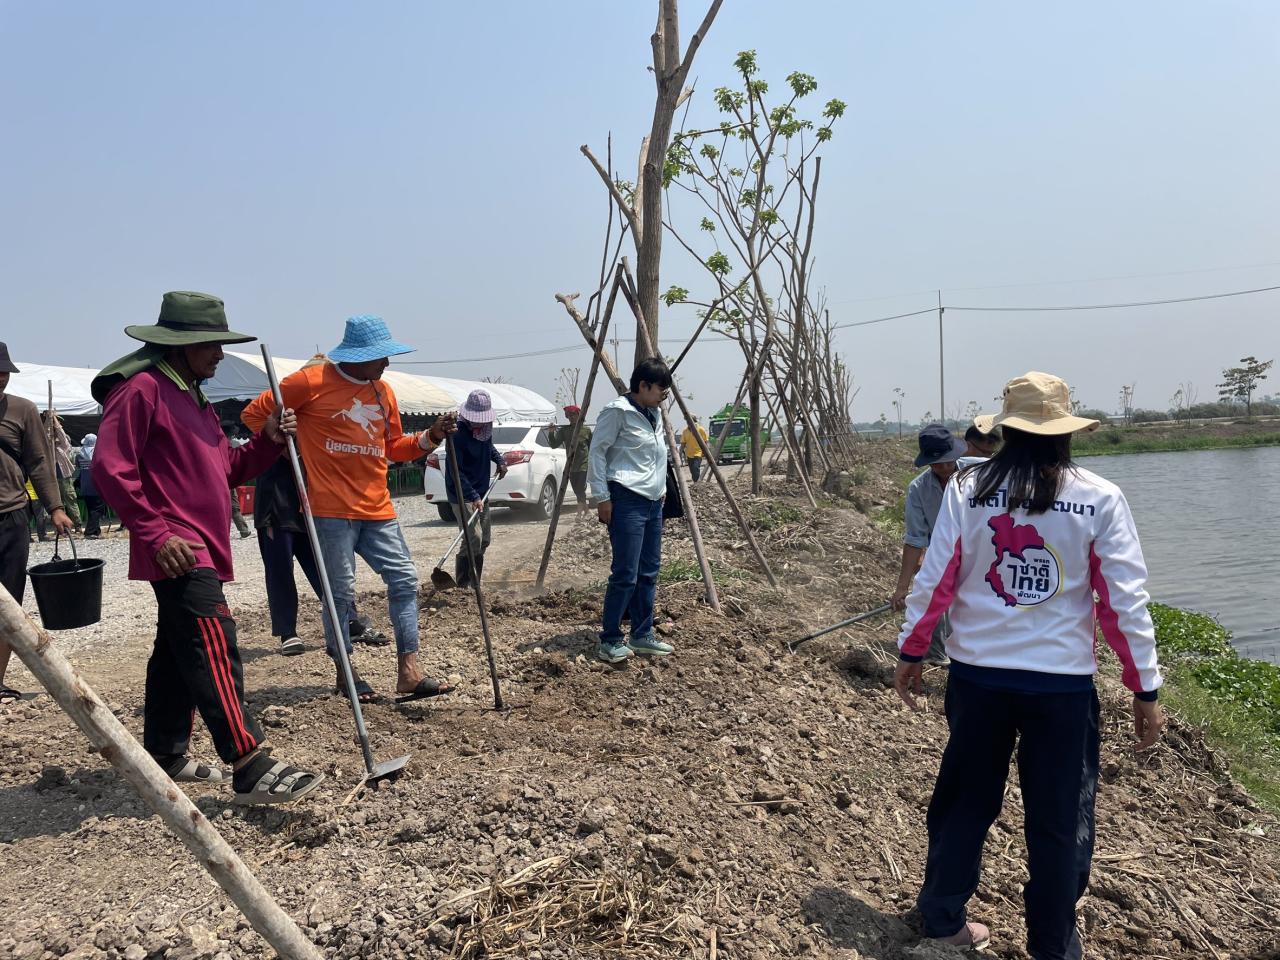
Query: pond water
1209	521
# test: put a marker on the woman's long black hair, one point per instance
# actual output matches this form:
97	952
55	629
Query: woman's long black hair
1031	466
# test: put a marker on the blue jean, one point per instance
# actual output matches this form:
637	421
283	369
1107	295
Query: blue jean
381	543
635	531
1058	772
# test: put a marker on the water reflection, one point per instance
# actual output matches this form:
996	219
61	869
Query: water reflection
1210	527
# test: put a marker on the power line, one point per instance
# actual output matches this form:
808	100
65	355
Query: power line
1060	283
896	316
1114	306
550	351
865	323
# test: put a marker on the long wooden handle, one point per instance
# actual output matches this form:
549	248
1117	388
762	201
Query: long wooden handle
109	737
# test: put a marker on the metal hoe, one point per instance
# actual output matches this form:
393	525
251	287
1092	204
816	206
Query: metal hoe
475	576
883	608
373	771
440	578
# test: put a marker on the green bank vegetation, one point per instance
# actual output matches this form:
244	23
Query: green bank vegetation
1120	440
1234	700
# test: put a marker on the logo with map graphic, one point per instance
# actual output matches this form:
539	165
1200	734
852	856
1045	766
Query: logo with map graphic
1025	571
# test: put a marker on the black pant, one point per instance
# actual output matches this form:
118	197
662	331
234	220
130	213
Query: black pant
279	548
196	666
93	515
15	547
695	468
579	483
1058	772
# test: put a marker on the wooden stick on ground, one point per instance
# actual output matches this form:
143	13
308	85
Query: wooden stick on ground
743	525
571	446
109	738
691	516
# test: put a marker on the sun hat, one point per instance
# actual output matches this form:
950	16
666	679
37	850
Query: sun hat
1036	403
188	318
478	408
937	445
6	365
366	338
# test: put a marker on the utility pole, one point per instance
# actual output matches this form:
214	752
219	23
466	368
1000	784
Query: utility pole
942	380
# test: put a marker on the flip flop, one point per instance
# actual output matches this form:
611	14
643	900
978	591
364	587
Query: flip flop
9	695
186	770
371	637
280	785
364	691
426	688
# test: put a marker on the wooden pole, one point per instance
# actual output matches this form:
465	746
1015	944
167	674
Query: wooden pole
35	649
733	412
577	428
629	293
50	432
686	498
460	514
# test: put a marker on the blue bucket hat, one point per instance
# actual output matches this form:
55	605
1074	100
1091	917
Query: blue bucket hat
937	445
366	338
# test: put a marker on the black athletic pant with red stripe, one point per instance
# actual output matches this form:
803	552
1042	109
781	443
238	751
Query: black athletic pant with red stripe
196	666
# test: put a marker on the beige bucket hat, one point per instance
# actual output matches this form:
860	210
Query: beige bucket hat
1037	403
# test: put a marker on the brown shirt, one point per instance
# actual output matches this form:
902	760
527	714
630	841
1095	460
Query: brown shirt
22	440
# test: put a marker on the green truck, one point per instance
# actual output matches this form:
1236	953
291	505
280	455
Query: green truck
736	428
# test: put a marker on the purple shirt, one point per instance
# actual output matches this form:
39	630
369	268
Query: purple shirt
164	465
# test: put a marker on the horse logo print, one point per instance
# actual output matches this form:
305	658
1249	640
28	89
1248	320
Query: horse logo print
367	415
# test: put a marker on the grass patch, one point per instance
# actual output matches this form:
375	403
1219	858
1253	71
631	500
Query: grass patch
1236	701
1132	441
893	518
679	571
772	515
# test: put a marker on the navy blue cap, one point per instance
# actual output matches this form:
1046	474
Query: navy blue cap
937	445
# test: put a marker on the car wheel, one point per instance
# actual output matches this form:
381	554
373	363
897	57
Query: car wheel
547	498
446	512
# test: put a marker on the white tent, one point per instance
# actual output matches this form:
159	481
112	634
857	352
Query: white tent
510	402
242	376
71	397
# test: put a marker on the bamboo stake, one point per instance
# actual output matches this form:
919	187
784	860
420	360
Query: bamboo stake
109	738
733	412
629	293
690	510
577	428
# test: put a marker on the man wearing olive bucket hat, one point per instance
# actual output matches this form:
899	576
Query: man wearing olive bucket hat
164	465
1023	543
349	429
24	452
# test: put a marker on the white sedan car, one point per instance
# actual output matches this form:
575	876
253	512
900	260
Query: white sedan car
534	469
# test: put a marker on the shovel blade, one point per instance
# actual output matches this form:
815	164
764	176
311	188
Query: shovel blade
442	581
387	769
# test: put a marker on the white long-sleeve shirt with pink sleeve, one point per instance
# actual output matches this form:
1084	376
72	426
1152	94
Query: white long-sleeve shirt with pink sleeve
1021	587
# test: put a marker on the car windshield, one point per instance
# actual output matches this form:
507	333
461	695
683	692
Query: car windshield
736	428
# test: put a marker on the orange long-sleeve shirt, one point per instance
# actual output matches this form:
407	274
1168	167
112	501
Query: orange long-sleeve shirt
347	430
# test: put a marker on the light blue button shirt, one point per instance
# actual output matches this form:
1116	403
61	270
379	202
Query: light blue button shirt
627	449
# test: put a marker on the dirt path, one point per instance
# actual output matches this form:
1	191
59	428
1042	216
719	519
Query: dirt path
769	803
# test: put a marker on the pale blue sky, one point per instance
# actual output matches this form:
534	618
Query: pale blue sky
307	161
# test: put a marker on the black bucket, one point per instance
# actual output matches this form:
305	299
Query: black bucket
68	592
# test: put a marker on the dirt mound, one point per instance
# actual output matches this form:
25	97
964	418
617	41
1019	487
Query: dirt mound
733	795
